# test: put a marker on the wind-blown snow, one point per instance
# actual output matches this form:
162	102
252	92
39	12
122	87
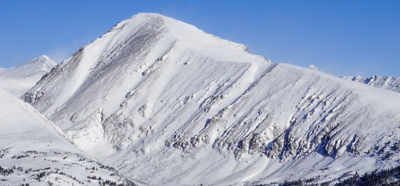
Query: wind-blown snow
167	104
20	79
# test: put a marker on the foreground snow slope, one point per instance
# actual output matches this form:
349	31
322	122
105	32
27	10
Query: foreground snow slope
384	82
34	151
168	104
20	79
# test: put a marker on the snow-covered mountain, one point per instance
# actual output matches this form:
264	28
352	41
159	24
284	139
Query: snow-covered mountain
35	151
20	79
168	104
384	82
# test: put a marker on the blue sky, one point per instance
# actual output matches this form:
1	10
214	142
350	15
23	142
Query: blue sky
341	37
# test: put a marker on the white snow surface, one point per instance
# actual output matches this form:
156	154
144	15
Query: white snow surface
168	104
38	153
20	79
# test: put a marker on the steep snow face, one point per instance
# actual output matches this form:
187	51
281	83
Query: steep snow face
20	79
135	47
166	103
384	82
34	151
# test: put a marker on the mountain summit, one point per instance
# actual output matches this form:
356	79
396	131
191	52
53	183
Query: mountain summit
21	78
166	104
179	33
39	65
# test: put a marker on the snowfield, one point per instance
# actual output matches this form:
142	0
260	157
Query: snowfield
20	79
165	103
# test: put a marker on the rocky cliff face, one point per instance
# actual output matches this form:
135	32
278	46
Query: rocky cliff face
166	103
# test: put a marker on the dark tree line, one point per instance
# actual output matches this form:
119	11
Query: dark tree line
383	177
388	177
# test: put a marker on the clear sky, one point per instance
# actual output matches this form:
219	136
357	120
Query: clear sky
341	37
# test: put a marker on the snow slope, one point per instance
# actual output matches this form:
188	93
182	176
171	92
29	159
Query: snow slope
167	104
384	82
20	79
34	151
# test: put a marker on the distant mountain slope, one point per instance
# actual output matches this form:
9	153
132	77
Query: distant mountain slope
34	151
385	82
20	79
167	104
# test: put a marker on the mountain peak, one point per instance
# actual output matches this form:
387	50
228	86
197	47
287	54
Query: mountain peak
41	63
187	35
149	16
44	61
156	96
21	78
144	41
42	58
